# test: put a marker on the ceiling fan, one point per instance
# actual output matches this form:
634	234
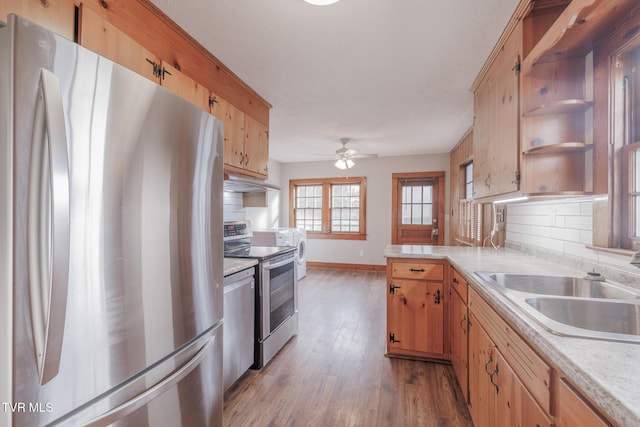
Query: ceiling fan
345	156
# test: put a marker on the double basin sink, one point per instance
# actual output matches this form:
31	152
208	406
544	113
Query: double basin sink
573	306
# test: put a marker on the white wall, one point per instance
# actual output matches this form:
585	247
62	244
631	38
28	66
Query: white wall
378	173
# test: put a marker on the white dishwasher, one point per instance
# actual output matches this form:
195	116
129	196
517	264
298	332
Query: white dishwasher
239	325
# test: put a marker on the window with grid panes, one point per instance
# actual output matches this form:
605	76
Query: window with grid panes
331	208
417	203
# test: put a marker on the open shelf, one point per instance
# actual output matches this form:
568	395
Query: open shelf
562	147
565	106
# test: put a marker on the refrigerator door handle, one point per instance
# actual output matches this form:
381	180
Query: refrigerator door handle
153	392
48	227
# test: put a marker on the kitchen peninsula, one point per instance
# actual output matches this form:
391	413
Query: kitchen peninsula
605	373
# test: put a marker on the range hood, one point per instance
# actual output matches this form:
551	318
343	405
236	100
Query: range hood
244	184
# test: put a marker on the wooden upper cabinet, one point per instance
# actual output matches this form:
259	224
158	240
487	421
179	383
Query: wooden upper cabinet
183	86
496	132
256	146
99	35
233	120
56	15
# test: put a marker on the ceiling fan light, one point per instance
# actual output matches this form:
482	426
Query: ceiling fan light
344	164
321	2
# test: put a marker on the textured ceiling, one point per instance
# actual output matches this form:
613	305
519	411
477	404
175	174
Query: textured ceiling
392	75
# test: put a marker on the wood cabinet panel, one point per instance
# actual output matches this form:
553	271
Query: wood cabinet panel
482	358
459	341
572	410
532	370
496	125
234	136
256	146
100	36
417	270
185	87
459	284
56	15
416	308
515	405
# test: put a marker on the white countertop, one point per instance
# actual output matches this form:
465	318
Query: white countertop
233	265
607	372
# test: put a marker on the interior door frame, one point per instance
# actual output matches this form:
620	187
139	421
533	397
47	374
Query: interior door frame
396	178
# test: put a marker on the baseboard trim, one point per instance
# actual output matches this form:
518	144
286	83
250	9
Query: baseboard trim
344	266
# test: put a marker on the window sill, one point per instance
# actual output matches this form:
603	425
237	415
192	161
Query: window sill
616	251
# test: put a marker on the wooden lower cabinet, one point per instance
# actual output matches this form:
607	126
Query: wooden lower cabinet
415	309
497	397
459	327
571	409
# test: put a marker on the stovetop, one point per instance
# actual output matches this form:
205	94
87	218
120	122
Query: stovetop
258	252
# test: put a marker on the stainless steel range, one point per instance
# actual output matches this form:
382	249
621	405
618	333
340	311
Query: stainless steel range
277	285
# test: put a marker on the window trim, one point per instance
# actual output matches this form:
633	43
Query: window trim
326	183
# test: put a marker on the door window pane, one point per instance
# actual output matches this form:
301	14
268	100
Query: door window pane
417	204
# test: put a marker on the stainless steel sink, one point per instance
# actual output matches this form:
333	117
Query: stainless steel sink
573	306
557	285
610	319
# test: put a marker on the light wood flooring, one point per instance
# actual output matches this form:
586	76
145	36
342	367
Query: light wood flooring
334	372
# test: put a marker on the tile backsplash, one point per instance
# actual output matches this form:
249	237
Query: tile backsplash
233	209
560	230
565	226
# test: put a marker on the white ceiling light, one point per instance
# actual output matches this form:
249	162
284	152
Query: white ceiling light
344	164
321	2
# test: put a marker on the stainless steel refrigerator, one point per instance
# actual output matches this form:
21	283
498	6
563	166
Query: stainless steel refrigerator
111	282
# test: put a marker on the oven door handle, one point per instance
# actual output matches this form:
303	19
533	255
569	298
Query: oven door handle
269	266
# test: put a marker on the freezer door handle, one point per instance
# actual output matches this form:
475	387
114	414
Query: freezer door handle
48	227
148	395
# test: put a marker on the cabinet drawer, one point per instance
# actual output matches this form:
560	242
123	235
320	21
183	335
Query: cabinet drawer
534	372
419	270
459	285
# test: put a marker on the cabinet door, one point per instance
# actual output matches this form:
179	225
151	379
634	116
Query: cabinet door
459	340
233	120
496	136
572	410
415	317
256	146
56	15
182	85
514	405
99	35
482	362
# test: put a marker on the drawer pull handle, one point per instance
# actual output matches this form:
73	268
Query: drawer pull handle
417	270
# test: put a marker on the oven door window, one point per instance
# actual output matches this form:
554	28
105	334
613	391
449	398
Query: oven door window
282	295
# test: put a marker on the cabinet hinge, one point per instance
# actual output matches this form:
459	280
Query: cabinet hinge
392	288
392	338
516	177
517	67
212	101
